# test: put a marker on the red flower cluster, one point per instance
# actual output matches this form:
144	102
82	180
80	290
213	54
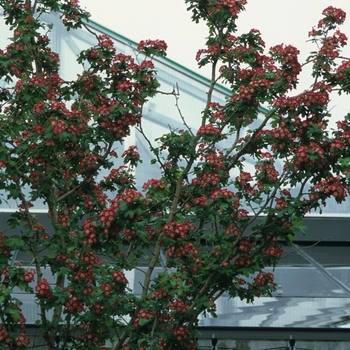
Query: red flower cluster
332	15
120	126
208	179
288	57
181	333
90	231
179	306
280	203
107	289
246	93
243	261
63	220
91	338
4	249
36	161
106	217
311	154
104	41
90	259
234	7
3	333
177	231
201	201
131	152
215	160
119	176
281	133
43	289
245	245
274	251
97	307
332	186
58	126
212	50
209	130
160	45
144	314
216	112
243	178
287	103
223	193
331	45
159	294
39	108
29	275
119	277
36	81
343	70
264	278
22	339
311	98
181	250
154	183
233	230
266	172
89	162
147	64
129	196
74	305
129	234
87	291
81	275
125	85
39	129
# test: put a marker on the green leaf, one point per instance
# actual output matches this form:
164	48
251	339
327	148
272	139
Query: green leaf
22	285
143	321
15	313
14	242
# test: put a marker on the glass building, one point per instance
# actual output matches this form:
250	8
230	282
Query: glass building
312	302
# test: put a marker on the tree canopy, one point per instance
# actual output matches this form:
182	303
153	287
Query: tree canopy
215	217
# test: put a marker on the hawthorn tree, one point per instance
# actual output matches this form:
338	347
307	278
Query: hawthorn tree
212	221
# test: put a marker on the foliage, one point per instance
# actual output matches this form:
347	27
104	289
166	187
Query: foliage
214	218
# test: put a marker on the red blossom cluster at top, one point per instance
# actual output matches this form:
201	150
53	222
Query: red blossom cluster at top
234	7
157	44
332	14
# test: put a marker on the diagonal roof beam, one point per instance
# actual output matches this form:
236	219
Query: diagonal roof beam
322	269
